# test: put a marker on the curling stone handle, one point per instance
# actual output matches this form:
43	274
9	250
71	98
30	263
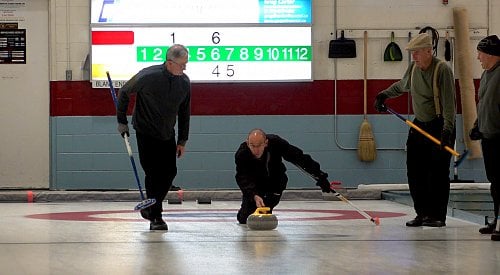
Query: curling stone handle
262	210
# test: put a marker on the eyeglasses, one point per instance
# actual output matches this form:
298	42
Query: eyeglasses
257	145
183	66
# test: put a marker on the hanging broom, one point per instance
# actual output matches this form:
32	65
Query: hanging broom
447	47
366	142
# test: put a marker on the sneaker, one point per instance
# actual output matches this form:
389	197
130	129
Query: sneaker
415	222
433	223
488	229
146	213
158	224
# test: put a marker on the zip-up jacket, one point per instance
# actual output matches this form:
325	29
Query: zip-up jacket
267	174
161	99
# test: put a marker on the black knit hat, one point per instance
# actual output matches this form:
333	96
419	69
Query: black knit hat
489	45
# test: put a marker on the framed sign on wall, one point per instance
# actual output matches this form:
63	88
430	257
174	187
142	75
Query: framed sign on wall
228	40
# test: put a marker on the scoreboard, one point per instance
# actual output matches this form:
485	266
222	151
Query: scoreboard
228	40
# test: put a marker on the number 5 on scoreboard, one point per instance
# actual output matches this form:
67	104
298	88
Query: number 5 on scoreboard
229	70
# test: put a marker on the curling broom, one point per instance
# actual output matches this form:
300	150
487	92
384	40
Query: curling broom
145	203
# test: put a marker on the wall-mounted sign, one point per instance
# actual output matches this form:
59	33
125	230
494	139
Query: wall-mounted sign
200	11
12	46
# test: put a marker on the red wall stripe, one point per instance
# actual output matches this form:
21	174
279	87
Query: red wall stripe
112	37
78	98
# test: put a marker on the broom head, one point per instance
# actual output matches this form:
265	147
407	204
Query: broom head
366	143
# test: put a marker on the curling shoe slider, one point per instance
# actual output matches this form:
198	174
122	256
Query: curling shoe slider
415	222
488	229
158	224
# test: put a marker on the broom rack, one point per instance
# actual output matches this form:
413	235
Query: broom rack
403	33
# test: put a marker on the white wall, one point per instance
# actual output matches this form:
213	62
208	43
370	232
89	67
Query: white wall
375	16
24	105
64	24
70	43
383	16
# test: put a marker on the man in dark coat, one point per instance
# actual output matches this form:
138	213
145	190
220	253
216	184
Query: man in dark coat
163	98
487	126
260	172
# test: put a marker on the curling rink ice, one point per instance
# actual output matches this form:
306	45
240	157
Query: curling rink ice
313	237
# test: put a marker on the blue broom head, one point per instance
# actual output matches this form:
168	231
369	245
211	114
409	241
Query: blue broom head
144	204
461	158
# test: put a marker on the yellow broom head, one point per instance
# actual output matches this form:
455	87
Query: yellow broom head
366	143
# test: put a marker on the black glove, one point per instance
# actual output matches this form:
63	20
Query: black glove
446	139
123	130
324	183
474	133
379	102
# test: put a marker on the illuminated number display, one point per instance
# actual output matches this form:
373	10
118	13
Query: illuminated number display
273	46
230	53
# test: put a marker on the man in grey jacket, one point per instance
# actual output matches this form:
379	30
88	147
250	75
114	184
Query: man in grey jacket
163	97
487	125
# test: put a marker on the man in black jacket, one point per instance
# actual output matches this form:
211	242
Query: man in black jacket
260	172
163	97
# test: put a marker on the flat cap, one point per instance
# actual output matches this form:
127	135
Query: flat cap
422	40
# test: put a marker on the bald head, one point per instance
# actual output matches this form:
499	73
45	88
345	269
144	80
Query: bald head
257	142
255	133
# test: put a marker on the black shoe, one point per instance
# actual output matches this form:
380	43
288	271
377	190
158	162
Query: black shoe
495	236
175	188
415	222
433	223
158	224
488	229
146	213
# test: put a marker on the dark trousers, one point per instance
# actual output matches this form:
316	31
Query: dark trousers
158	160
428	170
248	206
491	155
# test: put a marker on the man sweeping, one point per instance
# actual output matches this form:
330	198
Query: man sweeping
261	174
163	98
432	87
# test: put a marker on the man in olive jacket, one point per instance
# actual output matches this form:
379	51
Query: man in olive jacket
431	85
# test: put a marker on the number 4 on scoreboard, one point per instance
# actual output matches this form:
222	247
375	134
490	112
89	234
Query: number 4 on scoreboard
229	70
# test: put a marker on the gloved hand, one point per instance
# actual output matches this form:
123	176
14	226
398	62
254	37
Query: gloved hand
123	130
474	133
324	184
379	102
446	139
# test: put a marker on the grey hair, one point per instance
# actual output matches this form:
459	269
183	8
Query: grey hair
177	51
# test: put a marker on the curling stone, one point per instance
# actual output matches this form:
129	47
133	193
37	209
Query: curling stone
262	219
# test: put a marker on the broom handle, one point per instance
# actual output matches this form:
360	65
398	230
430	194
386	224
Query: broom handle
429	136
365	63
